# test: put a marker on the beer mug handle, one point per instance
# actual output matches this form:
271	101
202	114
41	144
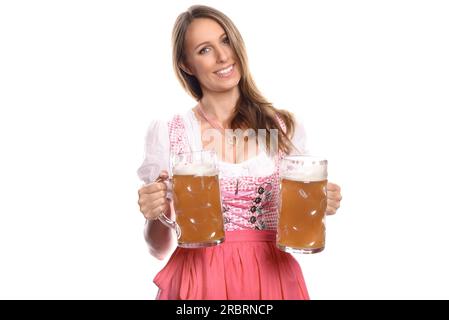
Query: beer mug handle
170	223
165	220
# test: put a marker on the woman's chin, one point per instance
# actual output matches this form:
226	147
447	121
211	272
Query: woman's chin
228	86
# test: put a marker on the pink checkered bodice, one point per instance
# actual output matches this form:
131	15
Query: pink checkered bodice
248	202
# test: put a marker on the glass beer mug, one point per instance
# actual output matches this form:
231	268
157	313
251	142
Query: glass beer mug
303	202
197	200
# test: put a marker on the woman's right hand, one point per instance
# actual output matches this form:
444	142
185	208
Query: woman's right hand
153	198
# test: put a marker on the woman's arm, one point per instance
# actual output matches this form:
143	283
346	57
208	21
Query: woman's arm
159	237
153	196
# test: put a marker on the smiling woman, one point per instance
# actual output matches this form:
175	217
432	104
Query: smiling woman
210	61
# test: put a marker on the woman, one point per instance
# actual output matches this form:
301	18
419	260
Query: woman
210	61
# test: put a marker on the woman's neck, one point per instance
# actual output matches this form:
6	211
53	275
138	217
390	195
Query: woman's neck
220	106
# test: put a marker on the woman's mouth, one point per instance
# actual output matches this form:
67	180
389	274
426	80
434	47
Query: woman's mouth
226	72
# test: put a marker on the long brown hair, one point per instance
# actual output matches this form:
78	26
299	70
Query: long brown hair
253	111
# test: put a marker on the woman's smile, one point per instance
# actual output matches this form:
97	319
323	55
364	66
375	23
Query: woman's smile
225	72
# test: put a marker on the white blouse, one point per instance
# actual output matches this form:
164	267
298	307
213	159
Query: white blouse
157	151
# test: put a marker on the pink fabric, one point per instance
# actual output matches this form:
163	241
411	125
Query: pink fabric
253	205
177	136
247	265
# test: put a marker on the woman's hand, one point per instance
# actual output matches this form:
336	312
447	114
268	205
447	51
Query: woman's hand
333	198
153	198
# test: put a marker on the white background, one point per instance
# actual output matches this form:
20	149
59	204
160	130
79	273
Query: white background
81	80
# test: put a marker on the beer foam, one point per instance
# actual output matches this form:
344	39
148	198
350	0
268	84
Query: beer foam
189	169
307	174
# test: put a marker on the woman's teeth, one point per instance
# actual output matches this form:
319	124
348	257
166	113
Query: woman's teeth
225	72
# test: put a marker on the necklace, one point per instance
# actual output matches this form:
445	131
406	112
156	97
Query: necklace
230	137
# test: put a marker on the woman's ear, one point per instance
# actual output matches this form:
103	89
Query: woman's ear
185	68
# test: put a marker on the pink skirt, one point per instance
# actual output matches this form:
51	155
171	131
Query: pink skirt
246	266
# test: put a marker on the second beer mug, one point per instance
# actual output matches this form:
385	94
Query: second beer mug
301	226
197	201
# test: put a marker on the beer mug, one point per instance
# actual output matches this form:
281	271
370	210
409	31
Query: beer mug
197	200
303	202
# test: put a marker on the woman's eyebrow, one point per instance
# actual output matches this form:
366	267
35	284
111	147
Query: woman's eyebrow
205	42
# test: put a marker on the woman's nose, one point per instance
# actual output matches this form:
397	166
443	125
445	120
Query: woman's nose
222	55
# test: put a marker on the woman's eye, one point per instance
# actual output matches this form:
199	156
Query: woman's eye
204	50
226	40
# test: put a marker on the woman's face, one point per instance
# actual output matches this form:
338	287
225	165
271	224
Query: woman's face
209	56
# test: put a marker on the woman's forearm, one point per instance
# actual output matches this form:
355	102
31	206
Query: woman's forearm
159	237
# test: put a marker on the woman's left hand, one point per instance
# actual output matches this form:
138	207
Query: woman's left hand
333	198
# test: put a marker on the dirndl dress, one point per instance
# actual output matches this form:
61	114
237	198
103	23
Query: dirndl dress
247	265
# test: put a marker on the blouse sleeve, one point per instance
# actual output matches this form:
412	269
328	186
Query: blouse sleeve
299	139
157	150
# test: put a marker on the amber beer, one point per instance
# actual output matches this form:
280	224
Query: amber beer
197	203
301	226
